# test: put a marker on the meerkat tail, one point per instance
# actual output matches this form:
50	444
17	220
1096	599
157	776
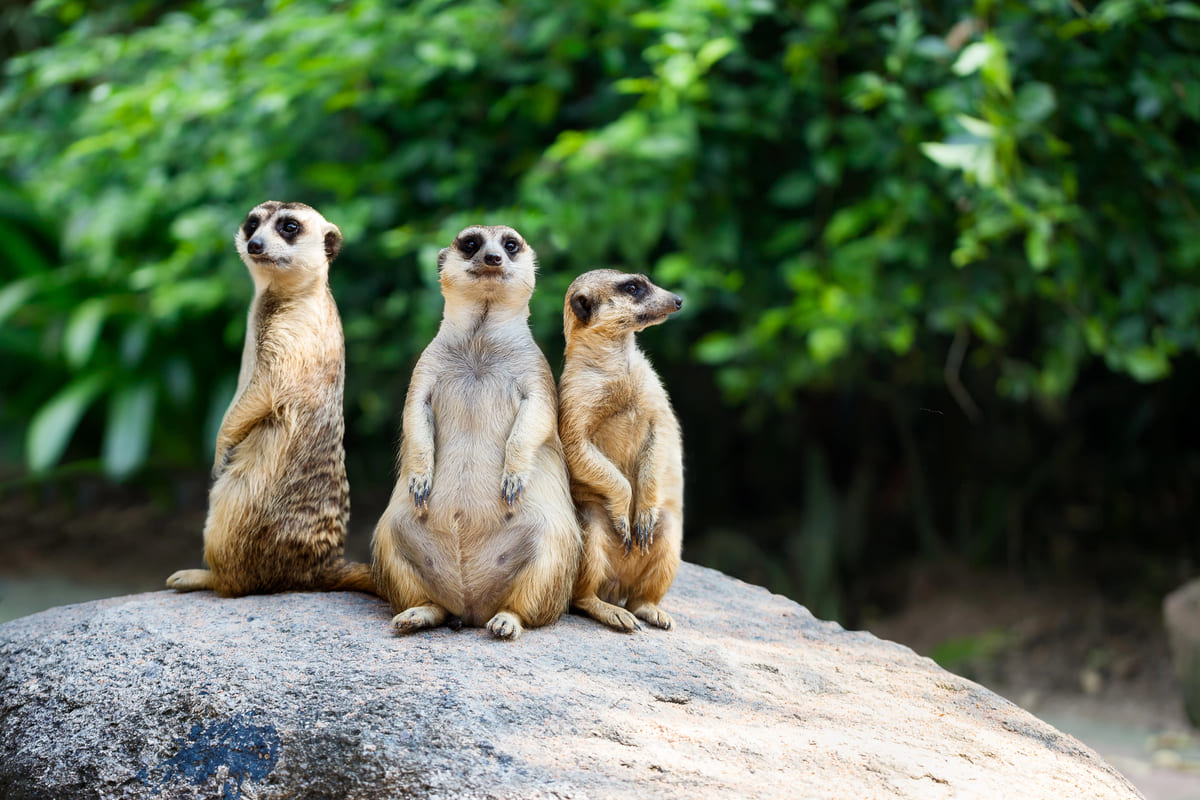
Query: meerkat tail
351	576
191	580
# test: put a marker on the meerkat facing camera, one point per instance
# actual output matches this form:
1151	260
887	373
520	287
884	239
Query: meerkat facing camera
480	526
279	503
624	449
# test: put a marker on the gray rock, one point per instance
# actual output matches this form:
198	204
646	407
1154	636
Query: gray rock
1181	618
311	696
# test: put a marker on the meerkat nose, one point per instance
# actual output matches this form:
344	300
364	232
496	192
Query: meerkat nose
678	302
493	259
254	247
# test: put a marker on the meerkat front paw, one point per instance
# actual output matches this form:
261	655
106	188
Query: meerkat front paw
643	532
620	524
419	487
505	625
512	487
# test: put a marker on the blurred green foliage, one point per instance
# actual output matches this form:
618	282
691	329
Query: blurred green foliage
988	196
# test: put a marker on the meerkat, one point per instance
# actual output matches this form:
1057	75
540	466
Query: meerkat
279	503
480	527
624	449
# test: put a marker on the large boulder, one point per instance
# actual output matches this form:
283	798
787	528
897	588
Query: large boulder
312	696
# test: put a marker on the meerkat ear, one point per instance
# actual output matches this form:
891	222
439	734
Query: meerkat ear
442	254
581	304
333	242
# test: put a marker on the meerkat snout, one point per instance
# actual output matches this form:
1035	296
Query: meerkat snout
493	259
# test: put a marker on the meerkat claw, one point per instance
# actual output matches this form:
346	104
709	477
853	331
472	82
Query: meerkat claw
419	487
621	526
644	531
511	488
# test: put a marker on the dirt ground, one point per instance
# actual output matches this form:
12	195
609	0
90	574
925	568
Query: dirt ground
1095	669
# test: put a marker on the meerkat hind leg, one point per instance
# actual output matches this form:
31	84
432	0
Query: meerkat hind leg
505	625
413	619
191	580
614	617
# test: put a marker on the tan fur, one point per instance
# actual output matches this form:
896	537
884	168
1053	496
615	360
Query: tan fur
279	504
480	526
623	448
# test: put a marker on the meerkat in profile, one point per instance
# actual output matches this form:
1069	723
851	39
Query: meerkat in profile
623	448
279	503
480	527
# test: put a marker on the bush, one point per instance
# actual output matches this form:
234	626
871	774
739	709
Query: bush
881	197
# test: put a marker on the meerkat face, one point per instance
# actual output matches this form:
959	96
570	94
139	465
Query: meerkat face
281	237
608	302
488	258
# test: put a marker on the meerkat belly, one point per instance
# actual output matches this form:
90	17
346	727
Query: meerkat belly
472	420
281	488
620	438
472	526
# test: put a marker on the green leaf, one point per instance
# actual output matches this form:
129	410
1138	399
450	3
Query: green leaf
826	344
975	159
846	224
1183	10
14	295
977	127
127	434
995	67
1037	247
1034	102
972	58
1147	364
900	338
673	268
55	422
83	331
713	51
716	348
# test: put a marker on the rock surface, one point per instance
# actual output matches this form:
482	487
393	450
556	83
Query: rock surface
312	696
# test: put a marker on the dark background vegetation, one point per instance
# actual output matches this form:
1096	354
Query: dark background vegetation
941	261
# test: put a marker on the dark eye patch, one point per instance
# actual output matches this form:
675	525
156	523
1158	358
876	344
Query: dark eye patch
635	289
468	244
512	245
250	226
288	228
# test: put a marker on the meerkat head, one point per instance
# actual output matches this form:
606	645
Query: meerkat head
284	241
488	262
609	303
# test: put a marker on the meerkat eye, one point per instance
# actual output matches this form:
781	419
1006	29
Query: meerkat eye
250	227
512	246
288	226
468	245
633	289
